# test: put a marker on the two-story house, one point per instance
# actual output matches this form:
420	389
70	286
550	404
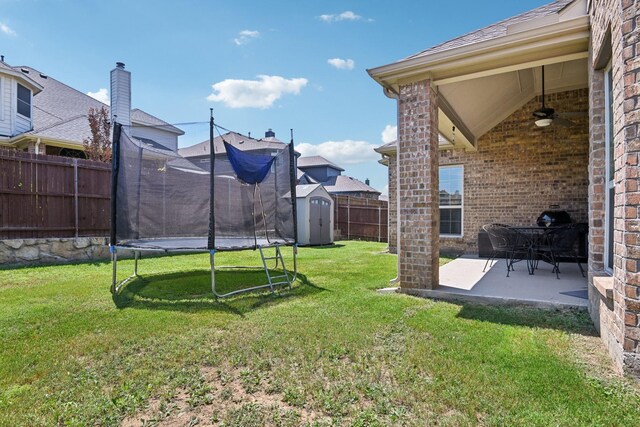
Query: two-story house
42	115
317	169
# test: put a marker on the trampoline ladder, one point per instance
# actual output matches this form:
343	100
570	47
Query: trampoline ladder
282	279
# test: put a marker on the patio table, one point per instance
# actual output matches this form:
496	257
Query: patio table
532	235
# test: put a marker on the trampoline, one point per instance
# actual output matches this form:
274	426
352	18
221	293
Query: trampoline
241	198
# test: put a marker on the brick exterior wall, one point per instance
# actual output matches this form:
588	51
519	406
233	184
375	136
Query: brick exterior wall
615	22
418	186
393	205
518	170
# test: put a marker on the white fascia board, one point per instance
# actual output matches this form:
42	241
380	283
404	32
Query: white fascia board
24	80
564	32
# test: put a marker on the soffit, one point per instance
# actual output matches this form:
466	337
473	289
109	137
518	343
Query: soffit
484	102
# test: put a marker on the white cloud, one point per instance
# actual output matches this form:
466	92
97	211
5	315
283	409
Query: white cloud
347	15
341	152
389	134
342	64
261	93
7	30
385	190
245	36
101	95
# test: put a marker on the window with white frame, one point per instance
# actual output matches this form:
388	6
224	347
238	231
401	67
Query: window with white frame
451	200
609	168
24	101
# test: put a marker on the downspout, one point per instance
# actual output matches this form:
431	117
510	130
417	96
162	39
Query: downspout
389	92
37	146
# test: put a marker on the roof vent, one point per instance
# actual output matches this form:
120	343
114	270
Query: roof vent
366	181
44	76
270	134
24	70
2	58
120	65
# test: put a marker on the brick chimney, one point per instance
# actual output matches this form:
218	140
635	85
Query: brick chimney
121	95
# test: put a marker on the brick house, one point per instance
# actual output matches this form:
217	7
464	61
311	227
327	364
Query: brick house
479	91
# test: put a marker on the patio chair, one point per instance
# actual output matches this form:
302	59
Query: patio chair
504	239
558	242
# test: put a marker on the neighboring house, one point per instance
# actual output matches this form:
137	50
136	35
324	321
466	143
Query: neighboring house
199	153
318	169
42	115
480	91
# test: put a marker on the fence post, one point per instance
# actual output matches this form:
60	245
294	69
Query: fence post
379	224
348	218
75	193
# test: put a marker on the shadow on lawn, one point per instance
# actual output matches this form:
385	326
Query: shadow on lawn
190	291
329	246
567	320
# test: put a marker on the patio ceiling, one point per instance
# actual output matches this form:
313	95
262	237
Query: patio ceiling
484	76
482	103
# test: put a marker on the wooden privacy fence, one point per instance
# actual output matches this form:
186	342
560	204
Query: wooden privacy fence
50	196
357	218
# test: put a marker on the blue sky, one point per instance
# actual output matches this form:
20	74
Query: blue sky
259	64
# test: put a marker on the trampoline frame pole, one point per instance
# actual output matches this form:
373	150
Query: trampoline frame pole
115	286
212	262
114	265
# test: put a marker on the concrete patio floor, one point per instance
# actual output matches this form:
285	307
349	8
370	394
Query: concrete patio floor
463	279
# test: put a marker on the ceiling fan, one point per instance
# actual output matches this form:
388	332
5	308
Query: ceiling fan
546	116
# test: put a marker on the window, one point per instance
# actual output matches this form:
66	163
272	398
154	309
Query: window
24	101
610	168
451	200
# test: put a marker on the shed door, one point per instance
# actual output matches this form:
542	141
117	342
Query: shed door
319	221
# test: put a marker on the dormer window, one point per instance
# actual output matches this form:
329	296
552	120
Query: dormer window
24	101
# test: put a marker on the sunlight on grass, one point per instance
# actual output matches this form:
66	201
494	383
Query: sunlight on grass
330	352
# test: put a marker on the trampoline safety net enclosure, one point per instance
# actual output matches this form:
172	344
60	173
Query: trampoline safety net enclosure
239	199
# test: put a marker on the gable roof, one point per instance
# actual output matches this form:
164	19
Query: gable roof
142	117
493	31
485	75
347	184
315	161
306	189
243	142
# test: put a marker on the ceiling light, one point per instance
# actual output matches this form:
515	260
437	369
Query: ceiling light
543	122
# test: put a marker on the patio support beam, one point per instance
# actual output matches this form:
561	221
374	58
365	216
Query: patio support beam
448	111
418	193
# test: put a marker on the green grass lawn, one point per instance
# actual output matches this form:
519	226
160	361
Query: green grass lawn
330	352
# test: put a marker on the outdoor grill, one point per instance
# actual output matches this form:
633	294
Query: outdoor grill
553	218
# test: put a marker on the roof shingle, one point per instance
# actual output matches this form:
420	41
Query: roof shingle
499	29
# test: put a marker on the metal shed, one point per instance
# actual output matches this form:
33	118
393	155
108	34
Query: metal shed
315	215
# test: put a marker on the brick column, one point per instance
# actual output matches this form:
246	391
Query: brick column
418	186
393	205
627	209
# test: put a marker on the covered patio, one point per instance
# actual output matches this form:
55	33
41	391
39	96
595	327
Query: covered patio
493	127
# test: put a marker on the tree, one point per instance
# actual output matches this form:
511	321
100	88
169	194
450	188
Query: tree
98	147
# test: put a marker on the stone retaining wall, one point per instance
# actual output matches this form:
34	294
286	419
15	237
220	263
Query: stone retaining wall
37	251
